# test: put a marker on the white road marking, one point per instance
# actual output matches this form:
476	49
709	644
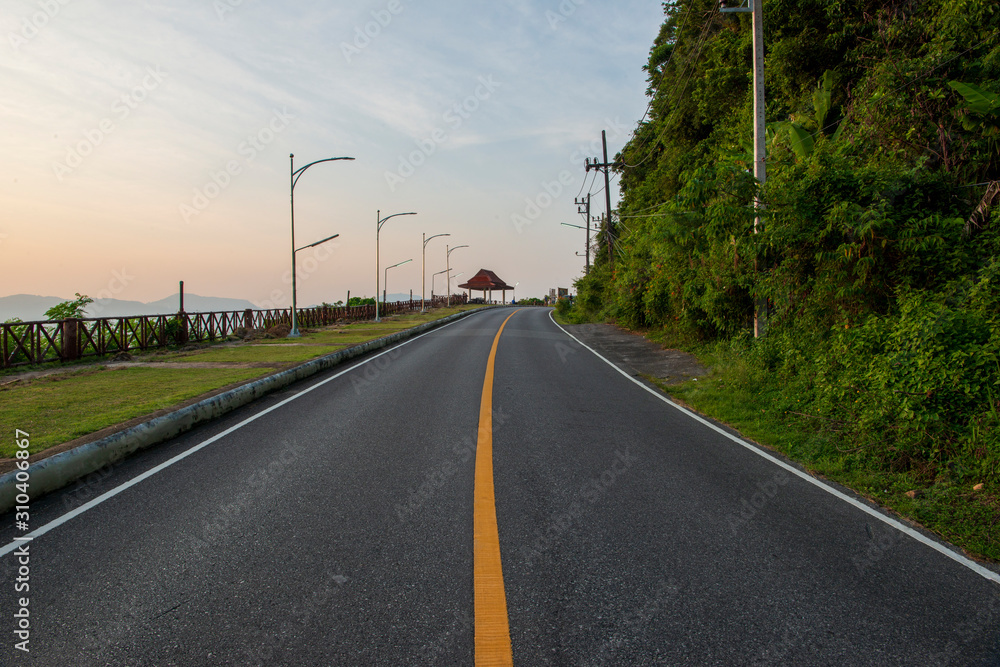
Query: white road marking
957	557
55	523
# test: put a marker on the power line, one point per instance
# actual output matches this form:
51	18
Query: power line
663	72
594	178
582	185
606	168
688	67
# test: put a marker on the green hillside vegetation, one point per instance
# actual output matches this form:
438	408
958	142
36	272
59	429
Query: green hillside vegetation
878	253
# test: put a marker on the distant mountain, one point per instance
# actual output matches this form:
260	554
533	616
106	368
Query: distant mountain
29	307
391	298
198	304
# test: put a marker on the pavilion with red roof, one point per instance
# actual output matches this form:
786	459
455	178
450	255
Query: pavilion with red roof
487	281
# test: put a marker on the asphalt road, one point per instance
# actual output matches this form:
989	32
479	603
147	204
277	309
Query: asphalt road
337	529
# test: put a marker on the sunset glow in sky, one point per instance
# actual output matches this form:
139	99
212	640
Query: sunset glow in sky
147	142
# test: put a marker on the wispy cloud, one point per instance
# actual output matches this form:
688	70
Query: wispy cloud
227	73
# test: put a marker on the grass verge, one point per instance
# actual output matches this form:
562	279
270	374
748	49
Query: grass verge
59	408
258	354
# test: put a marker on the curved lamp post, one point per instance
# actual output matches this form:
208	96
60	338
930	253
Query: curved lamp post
385	282
294	333
423	269
295	174
432	283
378	228
448	264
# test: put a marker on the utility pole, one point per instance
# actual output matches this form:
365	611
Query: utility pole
607	233
606	166
759	146
586	212
756	9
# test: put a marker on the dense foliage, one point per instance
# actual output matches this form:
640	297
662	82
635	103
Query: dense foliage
879	249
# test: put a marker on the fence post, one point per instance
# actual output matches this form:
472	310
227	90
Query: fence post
71	339
248	319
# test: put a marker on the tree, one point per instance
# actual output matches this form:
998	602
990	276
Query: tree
69	309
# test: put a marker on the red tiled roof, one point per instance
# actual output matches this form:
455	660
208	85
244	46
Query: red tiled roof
485	280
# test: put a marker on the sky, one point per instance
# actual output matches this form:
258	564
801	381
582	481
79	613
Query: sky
148	142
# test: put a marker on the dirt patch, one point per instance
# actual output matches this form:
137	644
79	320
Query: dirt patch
10	380
637	355
201	364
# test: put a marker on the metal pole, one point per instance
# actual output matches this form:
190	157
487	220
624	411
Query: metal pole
433	276
423	271
759	146
294	333
586	204
385	284
448	266
607	196
607	234
379	221
293	179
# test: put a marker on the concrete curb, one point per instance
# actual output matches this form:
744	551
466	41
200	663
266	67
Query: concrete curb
67	467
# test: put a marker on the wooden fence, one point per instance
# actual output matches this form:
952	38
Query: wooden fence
26	343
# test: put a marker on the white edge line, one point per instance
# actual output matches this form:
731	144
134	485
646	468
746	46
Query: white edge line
958	558
55	523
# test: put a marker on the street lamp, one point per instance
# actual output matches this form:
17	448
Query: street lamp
454	277
295	174
432	283
378	228
423	269
448	264
385	282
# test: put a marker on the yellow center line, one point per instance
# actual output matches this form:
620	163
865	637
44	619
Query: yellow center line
492	629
